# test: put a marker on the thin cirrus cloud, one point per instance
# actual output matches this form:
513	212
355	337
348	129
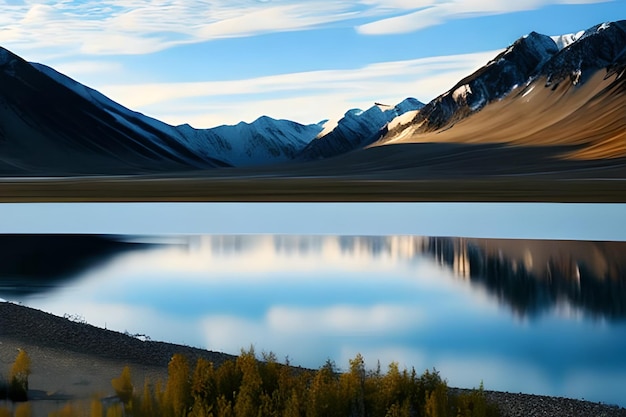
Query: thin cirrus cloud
440	11
147	26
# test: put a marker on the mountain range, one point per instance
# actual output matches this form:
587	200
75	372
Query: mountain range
565	94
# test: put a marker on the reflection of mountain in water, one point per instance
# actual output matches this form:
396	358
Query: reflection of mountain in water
34	263
533	276
396	247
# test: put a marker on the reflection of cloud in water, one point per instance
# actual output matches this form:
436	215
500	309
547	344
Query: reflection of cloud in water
508	374
310	336
505	373
345	320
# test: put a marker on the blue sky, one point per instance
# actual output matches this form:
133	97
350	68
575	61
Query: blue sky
212	62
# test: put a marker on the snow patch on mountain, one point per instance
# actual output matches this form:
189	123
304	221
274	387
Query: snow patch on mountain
462	92
599	47
327	127
403	119
563	41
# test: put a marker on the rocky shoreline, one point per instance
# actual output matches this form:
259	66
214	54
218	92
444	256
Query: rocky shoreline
42	329
30	327
529	405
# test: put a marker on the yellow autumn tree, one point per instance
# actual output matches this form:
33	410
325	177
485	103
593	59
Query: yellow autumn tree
18	378
123	386
23	410
115	411
96	408
147	406
437	401
203	388
178	388
248	397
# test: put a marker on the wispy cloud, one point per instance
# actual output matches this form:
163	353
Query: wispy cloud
145	26
440	11
307	97
78	68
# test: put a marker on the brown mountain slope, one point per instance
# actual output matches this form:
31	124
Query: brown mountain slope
591	116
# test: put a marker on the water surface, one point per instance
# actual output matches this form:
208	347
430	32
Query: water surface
545	317
489	220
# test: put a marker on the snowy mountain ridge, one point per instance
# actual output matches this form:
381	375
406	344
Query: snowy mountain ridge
572	57
357	129
265	140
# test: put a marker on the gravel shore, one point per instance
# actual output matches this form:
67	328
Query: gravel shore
73	360
46	330
527	405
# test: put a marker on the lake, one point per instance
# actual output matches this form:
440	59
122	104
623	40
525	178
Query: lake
536	316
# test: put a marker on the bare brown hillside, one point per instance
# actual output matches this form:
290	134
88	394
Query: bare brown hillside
591	116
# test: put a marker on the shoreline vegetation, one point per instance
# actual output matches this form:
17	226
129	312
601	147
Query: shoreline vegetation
74	370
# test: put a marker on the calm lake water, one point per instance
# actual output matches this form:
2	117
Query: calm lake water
537	316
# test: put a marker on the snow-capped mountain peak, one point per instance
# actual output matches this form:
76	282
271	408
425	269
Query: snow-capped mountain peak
563	41
264	141
556	58
356	129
